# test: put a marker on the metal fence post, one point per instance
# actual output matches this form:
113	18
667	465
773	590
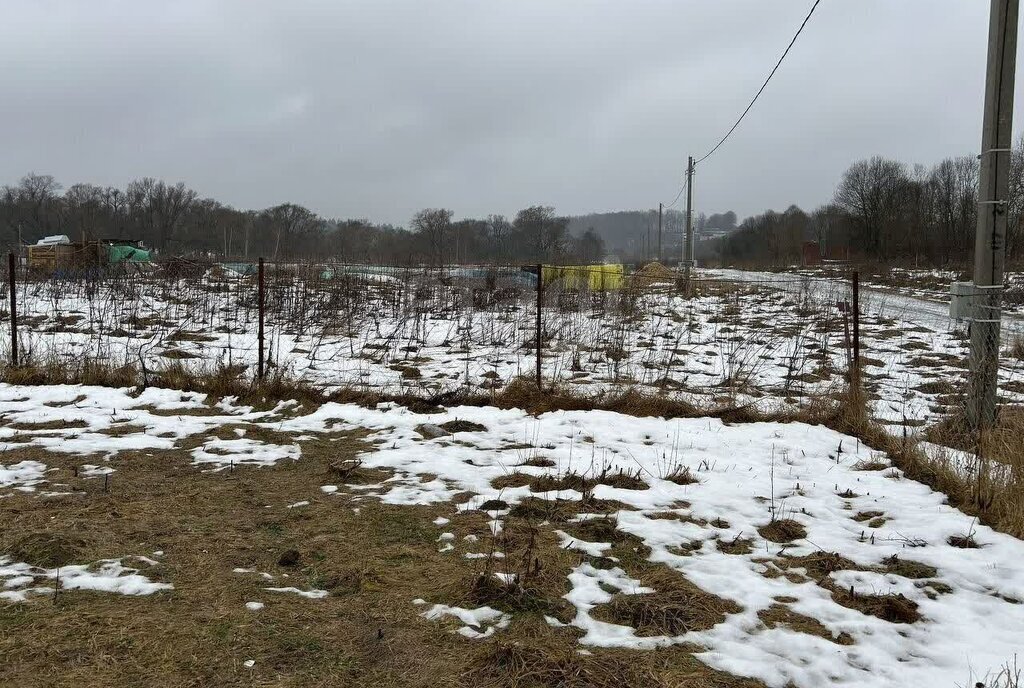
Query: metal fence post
13	286
855	373
260	301
540	300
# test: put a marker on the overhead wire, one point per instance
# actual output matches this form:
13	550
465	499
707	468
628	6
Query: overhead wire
676	199
763	86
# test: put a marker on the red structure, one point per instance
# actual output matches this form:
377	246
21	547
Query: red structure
810	253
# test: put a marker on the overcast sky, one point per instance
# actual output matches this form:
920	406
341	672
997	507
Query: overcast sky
378	108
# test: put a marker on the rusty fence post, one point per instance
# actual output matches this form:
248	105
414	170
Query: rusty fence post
13	286
260	299
855	373
540	326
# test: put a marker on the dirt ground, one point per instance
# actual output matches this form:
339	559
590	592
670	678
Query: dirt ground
375	559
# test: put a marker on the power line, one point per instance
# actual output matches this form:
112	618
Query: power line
676	199
761	90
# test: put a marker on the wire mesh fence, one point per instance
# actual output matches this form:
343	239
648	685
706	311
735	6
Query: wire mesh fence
428	331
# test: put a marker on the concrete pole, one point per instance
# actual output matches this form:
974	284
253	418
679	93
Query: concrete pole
688	239
993	190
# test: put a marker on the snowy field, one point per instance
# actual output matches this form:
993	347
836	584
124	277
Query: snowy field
773	342
811	559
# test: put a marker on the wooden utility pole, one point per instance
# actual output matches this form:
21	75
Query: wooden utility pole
993	191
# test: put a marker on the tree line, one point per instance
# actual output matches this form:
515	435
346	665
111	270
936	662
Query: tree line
177	221
885	210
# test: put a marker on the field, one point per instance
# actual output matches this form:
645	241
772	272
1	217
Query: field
770	343
691	501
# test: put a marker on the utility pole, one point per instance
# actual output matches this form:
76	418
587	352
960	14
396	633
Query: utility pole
993	190
659	233
688	239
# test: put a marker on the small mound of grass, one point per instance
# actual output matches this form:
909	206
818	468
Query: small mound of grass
819	565
737	545
49	425
908	568
47	550
602	529
494	505
783	530
568	481
520	665
537	509
367	476
892	608
344	468
623	480
963	541
538	462
457	425
781	615
676	607
862	516
511	480
871	465
512	596
681	475
667	516
687	548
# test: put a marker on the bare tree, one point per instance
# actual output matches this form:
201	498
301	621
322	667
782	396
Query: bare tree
33	207
870	191
538	225
434	225
159	207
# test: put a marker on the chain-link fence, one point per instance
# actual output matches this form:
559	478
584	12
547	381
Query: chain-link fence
718	338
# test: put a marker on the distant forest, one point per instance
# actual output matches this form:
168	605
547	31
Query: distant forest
176	221
887	211
882	210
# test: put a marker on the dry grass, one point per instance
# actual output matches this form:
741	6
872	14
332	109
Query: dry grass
738	545
908	568
995	496
986	490
780	615
538	661
891	608
374	562
676	607
1017	348
818	565
783	530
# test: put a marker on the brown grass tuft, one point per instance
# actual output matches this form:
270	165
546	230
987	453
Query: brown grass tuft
908	568
677	606
48	550
520	665
963	541
681	475
781	615
783	530
737	545
892	608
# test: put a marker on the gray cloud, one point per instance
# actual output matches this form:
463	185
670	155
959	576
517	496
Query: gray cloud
377	108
